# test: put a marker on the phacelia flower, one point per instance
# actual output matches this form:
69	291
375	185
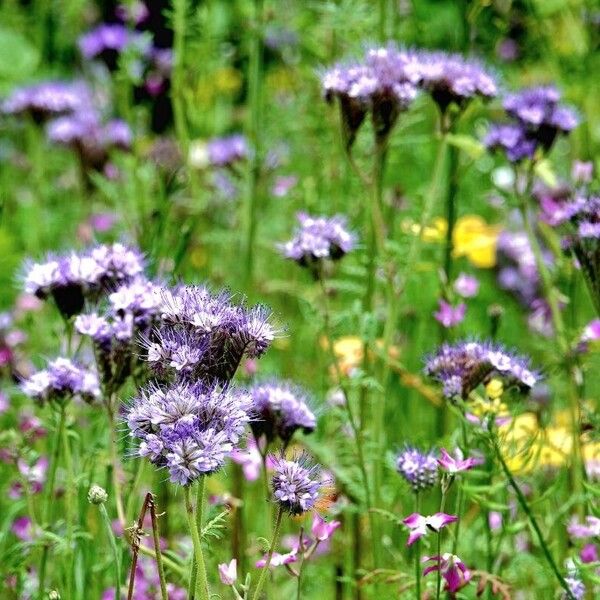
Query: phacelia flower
47	99
448	315
456	465
453	79
224	152
228	572
189	428
319	238
382	85
420	525
576	587
419	469
296	483
453	570
462	366
281	408
62	381
108	40
512	139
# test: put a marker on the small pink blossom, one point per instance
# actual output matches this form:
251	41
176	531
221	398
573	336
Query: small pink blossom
582	171
591	527
495	520
249	459
449	315
277	560
454	571
589	554
228	572
420	525
283	185
22	527
456	465
466	286
321	529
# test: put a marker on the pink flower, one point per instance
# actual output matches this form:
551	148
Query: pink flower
321	529
589	554
283	185
31	426
449	315
591	528
582	172
249	459
453	570
466	286
495	520
277	560
591	333
420	525
228	572
456	465
23	529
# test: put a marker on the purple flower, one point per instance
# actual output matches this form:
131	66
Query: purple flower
319	238
278	560
281	408
62	381
576	587
453	570
108	40
419	469
449	315
512	139
582	171
466	286
228	572
591	528
591	333
47	99
296	483
589	554
462	366
190	428
23	528
420	525
456	465
224	152
322	530
453	79
283	185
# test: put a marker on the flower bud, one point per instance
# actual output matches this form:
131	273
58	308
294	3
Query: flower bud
97	495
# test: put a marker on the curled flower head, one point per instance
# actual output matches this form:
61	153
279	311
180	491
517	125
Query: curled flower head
189	428
319	238
453	570
47	99
281	408
419	469
453	79
296	483
420	525
61	381
462	366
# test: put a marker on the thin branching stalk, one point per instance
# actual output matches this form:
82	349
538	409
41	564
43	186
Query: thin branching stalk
438	587
114	459
70	491
157	551
532	520
265	569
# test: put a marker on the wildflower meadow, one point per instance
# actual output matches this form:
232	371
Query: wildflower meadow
299	299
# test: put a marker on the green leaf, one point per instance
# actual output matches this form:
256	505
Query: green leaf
18	58
543	169
468	144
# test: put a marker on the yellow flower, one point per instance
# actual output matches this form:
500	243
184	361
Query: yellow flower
228	80
494	389
433	232
476	240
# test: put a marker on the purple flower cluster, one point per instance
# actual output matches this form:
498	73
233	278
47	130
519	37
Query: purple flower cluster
419	469
296	483
47	99
387	80
189	428
225	151
319	238
281	408
206	336
91	138
537	120
60	382
108	40
463	366
71	279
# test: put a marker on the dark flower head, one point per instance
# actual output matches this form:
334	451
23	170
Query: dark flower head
383	84
296	483
462	366
419	469
319	238
188	428
453	79
539	111
47	99
281	409
60	382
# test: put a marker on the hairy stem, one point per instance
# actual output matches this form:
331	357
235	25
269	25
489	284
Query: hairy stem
115	550
194	516
265	570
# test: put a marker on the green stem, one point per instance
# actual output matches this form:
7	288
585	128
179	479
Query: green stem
532	520
114	460
169	563
177	96
113	547
552	297
450	211
69	508
418	553
158	553
265	570
193	514
438	587
254	130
